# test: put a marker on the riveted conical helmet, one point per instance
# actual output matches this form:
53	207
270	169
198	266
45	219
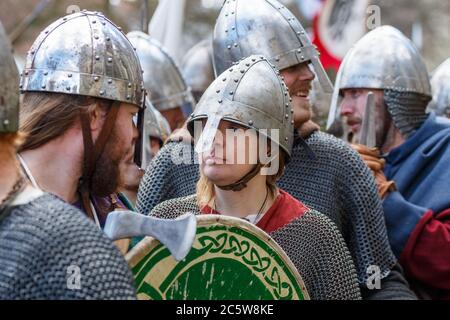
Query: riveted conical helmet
251	94
267	28
85	54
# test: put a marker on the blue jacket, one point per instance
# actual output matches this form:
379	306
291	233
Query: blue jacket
420	168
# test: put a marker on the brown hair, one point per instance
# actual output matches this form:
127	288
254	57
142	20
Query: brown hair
46	116
205	188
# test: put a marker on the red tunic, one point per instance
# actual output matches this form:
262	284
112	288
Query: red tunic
284	210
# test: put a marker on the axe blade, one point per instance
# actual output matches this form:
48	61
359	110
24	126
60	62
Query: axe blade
176	234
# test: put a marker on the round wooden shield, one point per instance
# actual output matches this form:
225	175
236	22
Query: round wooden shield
230	259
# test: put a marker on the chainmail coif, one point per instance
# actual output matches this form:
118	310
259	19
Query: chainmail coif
40	240
407	109
312	242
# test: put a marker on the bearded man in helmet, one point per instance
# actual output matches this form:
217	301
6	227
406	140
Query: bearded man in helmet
409	156
48	248
82	91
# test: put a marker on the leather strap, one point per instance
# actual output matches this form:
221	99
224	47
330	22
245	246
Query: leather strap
242	183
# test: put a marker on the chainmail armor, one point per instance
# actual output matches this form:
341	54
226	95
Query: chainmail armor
337	184
340	185
164	180
312	242
41	239
407	110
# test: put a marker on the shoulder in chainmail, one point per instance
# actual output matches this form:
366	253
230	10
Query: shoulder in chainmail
339	185
171	174
45	241
312	242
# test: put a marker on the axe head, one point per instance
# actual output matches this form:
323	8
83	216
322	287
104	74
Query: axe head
175	234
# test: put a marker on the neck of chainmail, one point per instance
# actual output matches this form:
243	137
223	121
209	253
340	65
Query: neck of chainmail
407	110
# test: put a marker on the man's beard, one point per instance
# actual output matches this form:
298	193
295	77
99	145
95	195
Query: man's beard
106	178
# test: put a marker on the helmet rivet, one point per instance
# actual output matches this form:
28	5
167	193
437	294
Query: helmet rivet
96	78
287	105
32	52
242	71
286	138
129	85
108	39
231	92
290	99
253	59
97	58
299	51
236	80
217	91
232	12
120	28
303	57
250	122
247	64
6	122
292	122
46	73
233	28
109	81
226	14
220	101
128	97
224	79
231	69
43	86
46	31
21	86
228	47
292	110
235	44
64	19
68	88
69	75
110	60
96	37
94	22
102	92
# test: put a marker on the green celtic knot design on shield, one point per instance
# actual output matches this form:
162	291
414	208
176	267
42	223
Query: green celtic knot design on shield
225	262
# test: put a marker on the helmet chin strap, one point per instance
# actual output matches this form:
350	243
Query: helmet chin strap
242	183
